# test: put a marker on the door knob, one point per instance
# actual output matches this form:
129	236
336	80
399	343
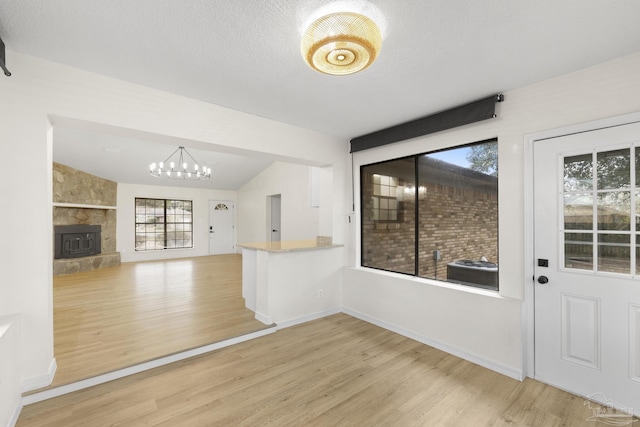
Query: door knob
543	279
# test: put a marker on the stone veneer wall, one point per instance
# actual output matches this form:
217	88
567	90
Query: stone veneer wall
460	223
73	186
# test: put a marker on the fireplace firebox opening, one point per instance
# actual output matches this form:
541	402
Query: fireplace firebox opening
75	241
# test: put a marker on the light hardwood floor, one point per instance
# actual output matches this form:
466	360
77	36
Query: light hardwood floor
116	317
336	371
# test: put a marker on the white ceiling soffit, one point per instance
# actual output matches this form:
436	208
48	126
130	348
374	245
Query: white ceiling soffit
245	55
126	159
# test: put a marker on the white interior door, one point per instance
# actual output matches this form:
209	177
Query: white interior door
275	217
587	291
221	227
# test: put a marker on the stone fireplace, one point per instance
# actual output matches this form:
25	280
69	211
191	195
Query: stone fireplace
84	219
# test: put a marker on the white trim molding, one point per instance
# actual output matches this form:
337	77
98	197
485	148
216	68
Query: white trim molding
42	381
309	318
14	417
100	379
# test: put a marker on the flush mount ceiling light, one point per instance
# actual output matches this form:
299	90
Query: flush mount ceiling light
175	167
341	43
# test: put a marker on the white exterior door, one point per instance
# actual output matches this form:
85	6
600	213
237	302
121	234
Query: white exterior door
221	227
587	264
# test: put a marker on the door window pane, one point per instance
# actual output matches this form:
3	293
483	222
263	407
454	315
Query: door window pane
578	251
637	220
614	169
637	254
614	210
578	173
614	253
578	211
637	166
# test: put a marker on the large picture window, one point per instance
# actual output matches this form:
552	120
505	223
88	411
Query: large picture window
163	224
437	219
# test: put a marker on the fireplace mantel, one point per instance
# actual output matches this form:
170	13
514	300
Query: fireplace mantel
81	206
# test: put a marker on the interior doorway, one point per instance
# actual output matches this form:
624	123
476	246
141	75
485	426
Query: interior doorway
275	214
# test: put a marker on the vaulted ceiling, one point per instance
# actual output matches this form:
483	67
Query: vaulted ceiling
245	55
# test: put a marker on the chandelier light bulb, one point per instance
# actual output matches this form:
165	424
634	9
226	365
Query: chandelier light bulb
179	157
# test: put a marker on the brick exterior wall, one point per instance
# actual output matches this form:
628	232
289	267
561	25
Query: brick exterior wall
460	223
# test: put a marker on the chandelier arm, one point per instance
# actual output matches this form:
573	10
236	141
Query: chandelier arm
180	162
169	158
191	157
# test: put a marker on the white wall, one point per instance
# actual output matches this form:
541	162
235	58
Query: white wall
9	363
300	221
41	92
325	219
303	284
125	233
486	328
292	287
477	325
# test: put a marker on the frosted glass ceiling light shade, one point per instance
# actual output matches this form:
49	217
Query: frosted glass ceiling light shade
341	43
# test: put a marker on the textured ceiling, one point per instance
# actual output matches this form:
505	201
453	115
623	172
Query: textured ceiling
246	54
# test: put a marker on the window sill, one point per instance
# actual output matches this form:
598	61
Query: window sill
81	206
437	283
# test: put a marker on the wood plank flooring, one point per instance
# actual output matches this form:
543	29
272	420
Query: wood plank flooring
336	371
116	317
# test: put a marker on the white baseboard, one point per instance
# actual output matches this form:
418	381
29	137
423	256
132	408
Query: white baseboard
263	318
41	381
308	318
15	415
478	360
100	379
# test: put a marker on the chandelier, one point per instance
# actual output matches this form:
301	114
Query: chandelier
175	167
341	43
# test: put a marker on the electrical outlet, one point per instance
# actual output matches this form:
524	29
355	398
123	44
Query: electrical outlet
320	293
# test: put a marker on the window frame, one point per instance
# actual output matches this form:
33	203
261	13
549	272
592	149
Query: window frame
416	213
165	224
